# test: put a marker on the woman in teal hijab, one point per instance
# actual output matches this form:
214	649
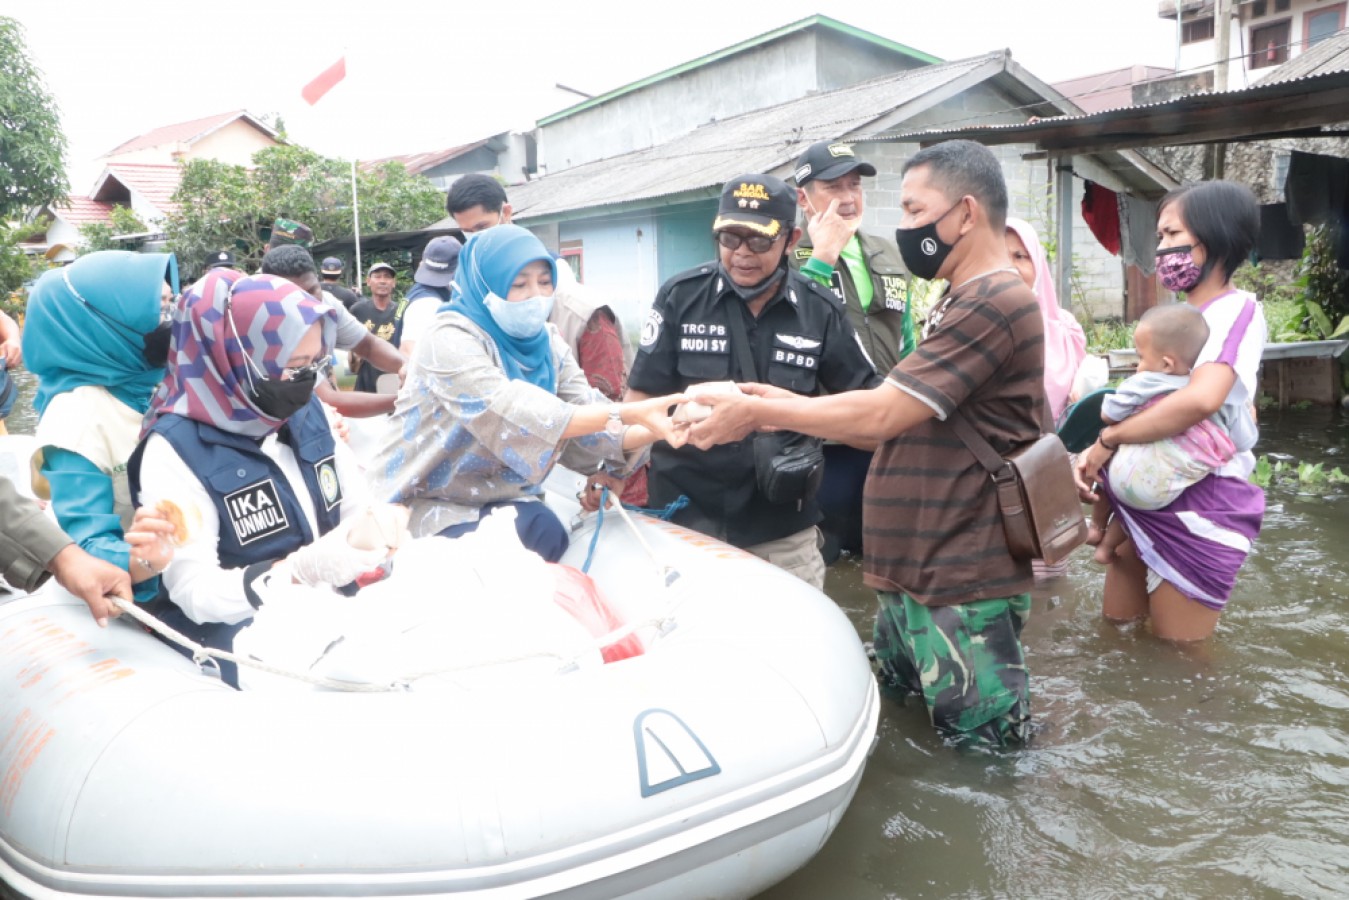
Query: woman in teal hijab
96	335
494	399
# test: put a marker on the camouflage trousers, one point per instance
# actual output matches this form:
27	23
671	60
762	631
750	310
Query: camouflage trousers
966	662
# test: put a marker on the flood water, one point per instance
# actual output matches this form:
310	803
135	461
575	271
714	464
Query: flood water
1222	771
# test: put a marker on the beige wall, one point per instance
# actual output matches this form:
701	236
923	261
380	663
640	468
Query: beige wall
234	144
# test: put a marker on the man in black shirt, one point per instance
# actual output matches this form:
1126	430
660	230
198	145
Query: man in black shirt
379	313
331	270
746	317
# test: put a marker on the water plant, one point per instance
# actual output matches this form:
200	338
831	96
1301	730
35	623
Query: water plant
1305	474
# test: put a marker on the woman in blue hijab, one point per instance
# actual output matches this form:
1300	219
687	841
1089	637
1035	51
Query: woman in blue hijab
494	399
96	335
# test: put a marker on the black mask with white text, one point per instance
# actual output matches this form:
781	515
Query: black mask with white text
923	249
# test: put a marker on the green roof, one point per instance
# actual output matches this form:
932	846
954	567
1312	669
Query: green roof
802	25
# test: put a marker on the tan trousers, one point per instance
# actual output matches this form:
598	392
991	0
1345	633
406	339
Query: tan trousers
797	553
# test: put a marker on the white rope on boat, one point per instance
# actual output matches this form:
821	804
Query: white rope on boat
200	654
668	573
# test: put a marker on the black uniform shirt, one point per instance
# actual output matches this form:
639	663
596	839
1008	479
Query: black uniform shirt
801	341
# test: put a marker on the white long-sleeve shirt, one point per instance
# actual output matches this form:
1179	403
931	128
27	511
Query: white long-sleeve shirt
195	579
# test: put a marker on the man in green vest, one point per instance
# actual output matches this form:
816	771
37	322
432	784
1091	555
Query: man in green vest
867	275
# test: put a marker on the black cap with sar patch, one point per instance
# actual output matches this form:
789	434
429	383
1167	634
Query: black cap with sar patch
761	203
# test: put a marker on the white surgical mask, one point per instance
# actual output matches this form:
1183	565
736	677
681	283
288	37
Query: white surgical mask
523	318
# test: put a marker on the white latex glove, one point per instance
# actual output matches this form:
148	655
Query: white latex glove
331	560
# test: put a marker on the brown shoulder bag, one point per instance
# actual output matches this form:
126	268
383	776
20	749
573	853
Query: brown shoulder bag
1041	513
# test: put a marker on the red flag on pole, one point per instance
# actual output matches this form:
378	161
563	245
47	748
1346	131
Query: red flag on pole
313	91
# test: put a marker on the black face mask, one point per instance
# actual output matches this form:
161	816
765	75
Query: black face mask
923	249
279	399
155	349
748	293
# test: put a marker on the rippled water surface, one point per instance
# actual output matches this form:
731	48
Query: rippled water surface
1221	771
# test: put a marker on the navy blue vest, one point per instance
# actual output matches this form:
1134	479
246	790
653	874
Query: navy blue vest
261	518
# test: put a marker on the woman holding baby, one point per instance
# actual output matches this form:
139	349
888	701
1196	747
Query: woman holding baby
1178	563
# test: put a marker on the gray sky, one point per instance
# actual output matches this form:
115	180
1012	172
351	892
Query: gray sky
425	75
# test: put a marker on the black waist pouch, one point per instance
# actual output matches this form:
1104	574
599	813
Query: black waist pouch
788	466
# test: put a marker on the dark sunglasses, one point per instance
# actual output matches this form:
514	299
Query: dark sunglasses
757	243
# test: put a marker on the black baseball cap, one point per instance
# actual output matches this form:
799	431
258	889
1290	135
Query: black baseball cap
761	203
380	265
440	259
827	160
331	266
220	258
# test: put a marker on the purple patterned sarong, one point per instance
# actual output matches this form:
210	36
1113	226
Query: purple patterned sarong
1199	542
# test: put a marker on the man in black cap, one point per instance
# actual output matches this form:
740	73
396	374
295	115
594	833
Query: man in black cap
431	288
867	275
748	318
331	272
865	272
219	259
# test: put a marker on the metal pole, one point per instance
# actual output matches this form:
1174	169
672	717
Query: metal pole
356	224
1180	28
1222	25
1063	257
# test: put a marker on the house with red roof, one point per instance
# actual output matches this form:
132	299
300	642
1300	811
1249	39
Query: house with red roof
143	173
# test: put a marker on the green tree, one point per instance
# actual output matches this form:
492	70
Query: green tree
229	207
32	145
103	235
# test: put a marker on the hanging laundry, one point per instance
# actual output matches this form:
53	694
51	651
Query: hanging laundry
1138	232
1100	210
1316	188
1279	237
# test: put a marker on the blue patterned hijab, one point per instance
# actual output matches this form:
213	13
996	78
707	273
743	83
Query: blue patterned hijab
488	264
86	323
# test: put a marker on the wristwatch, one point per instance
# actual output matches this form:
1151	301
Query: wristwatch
614	425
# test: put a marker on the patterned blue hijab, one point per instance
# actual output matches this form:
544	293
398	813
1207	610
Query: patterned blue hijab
488	264
85	325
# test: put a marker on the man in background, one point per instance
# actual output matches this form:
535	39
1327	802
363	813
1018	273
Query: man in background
331	272
379	314
430	290
867	275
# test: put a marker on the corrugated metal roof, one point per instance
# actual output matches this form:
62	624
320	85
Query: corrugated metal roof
758	141
1292	107
1328	55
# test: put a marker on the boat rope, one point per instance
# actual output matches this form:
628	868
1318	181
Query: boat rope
668	573
202	655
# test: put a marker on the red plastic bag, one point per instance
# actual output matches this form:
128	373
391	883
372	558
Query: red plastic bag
577	594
